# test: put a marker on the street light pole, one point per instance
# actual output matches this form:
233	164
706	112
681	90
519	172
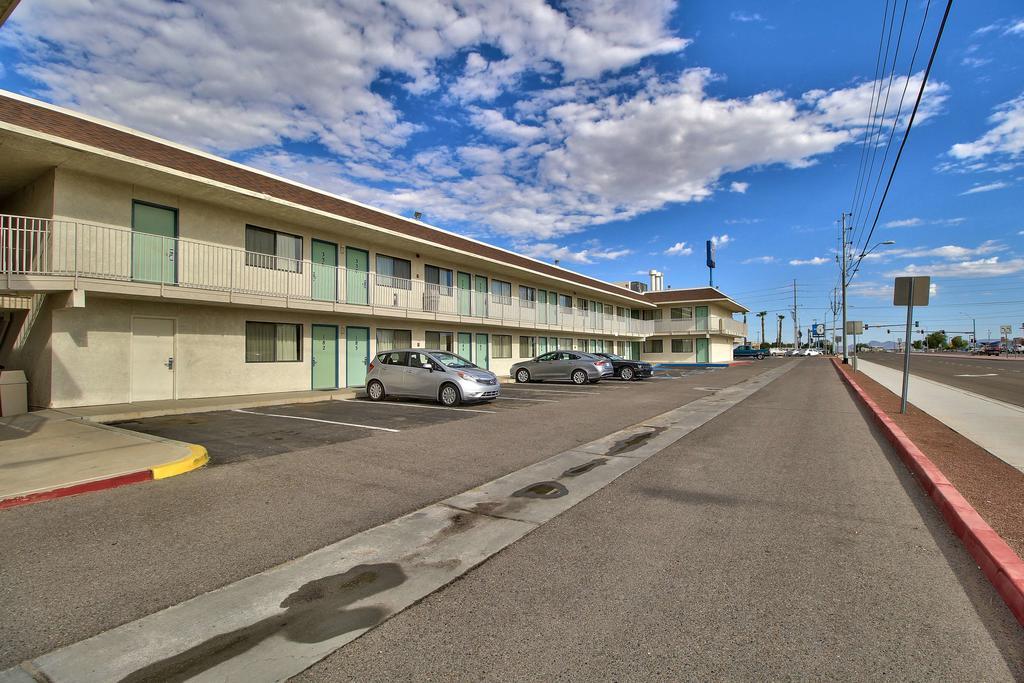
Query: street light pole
842	246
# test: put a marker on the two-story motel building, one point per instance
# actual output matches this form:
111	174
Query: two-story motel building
135	269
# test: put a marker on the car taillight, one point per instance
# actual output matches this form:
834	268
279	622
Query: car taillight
370	366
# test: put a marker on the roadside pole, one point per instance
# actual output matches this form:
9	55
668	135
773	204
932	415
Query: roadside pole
842	247
909	292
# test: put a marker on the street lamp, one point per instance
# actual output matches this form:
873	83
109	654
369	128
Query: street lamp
880	244
845	280
974	328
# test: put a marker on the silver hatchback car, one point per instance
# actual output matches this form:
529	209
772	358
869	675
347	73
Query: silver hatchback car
576	366
429	373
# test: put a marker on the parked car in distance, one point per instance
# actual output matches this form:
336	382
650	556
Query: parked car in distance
776	351
626	369
748	351
576	366
429	373
989	349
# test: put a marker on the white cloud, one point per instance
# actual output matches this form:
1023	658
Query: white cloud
987	267
760	259
738	187
746	17
679	249
1003	142
743	221
949	251
721	240
853	107
548	251
987	187
903	223
816	261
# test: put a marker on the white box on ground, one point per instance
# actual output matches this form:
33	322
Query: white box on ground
13	393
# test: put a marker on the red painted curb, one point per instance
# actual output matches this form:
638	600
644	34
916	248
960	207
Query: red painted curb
995	558
87	487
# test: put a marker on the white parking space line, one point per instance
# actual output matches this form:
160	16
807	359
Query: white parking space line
314	419
537	400
414	405
552	391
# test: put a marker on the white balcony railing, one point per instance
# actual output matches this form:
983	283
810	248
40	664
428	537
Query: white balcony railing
712	324
43	247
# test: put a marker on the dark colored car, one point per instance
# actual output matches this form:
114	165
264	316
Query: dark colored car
628	369
748	351
990	349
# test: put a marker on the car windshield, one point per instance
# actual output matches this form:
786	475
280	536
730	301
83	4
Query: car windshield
451	360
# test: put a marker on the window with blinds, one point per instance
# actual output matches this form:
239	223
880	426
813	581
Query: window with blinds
394	272
393	339
273	342
654	346
439	341
683	313
503	346
501	291
682	346
527	347
271	249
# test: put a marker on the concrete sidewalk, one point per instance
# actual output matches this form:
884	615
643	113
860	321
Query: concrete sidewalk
48	454
996	426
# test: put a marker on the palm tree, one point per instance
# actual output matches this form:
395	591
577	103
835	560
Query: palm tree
778	340
761	315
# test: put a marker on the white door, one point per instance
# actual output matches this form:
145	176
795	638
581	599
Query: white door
152	359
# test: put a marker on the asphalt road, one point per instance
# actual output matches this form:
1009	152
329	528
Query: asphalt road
999	379
77	566
782	540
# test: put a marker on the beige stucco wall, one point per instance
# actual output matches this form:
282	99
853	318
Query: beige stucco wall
719	350
91	350
35	199
27	346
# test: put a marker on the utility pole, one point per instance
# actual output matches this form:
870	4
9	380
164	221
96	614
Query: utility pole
796	323
842	247
834	307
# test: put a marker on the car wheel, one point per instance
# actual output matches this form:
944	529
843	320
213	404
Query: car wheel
449	395
760	356
375	390
579	377
627	374
522	375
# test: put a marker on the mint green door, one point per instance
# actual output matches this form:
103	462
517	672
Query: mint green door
154	243
325	357
702	351
542	306
483	356
357	268
324	256
464	286
480	296
465	345
357	355
542	345
700	314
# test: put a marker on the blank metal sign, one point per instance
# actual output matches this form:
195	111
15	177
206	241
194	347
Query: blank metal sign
901	292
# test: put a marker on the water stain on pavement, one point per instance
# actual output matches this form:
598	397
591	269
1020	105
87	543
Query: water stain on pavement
542	489
634	442
314	612
584	468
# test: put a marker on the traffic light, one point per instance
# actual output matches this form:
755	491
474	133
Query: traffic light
917	324
867	327
888	331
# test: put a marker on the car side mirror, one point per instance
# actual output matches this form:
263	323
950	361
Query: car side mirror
428	366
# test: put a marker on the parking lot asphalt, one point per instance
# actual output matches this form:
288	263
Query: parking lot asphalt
783	540
999	379
281	487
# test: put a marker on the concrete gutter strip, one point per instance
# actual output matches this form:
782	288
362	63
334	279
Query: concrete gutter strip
275	624
996	559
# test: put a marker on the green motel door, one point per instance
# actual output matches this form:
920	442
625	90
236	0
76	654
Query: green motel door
357	355
483	359
700	314
465	345
325	357
154	230
324	256
357	267
464	286
702	351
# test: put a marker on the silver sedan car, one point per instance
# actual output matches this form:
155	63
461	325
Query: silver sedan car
429	373
576	366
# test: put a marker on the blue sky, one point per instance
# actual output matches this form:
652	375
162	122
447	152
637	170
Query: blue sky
615	137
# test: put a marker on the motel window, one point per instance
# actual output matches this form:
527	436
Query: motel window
527	297
609	310
271	249
653	346
652	315
565	301
441	278
564	343
527	347
394	272
682	346
503	346
502	292
684	313
393	339
439	341
272	342
583	304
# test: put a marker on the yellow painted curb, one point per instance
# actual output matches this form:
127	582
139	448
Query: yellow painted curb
196	458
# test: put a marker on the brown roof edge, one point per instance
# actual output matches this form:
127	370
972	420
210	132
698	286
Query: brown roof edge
666	296
48	120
